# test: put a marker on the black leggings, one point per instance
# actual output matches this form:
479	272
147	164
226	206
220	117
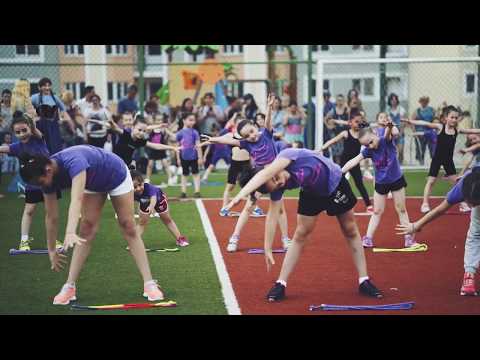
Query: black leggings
358	179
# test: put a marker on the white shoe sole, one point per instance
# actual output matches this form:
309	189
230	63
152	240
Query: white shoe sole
150	299
65	303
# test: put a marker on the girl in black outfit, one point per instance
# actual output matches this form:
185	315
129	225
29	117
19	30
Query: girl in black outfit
351	148
443	155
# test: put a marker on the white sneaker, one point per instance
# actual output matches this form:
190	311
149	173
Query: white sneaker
286	242
347	176
425	208
233	244
389	196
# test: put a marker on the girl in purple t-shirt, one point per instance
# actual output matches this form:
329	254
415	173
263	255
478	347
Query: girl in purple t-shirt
153	200
31	141
388	177
92	173
261	147
323	188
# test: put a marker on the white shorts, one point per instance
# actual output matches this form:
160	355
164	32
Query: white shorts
124	188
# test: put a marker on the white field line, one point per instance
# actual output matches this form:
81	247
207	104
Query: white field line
227	289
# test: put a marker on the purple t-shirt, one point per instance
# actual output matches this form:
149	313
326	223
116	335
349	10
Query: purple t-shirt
187	138
311	171
281	145
105	171
455	195
263	151
148	192
34	146
385	160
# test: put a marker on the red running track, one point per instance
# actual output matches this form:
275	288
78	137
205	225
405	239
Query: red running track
325	273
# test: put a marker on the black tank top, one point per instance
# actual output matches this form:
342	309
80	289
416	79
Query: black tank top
445	145
351	147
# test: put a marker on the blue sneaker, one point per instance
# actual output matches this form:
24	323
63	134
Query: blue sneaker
224	212
258	212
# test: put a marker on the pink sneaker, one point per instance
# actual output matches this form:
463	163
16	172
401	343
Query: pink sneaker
182	241
410	241
67	294
367	242
468	286
152	291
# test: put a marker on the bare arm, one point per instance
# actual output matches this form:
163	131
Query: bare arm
341	122
333	141
411	228
225	139
206	153
76	198
352	163
113	126
424	123
469	131
160	146
268	115
153	203
199	152
259	179
470	148
57	261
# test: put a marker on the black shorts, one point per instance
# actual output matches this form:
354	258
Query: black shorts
98	142
189	165
36	196
160	207
341	201
156	154
384	189
235	169
447	164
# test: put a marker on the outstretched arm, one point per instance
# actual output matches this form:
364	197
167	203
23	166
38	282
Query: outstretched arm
160	146
404	229
423	123
352	163
470	148
268	115
333	141
259	179
469	131
113	126
225	139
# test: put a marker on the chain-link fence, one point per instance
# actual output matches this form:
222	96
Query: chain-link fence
168	74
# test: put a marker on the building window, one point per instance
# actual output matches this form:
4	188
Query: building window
154	50
27	50
118	50
280	48
470	84
367	48
116	90
397	85
72	50
322	48
364	86
232	49
76	88
196	56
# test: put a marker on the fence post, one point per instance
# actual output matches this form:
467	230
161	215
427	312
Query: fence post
141	79
383	80
311	118
320	104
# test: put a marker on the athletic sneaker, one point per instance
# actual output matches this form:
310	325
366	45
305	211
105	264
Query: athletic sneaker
152	291
182	241
367	242
224	212
183	196
464	208
276	293
233	243
197	195
58	245
67	294
24	245
425	208
257	212
468	287
368	289
410	241
286	242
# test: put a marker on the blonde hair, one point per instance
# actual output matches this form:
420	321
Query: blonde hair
67	97
21	96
